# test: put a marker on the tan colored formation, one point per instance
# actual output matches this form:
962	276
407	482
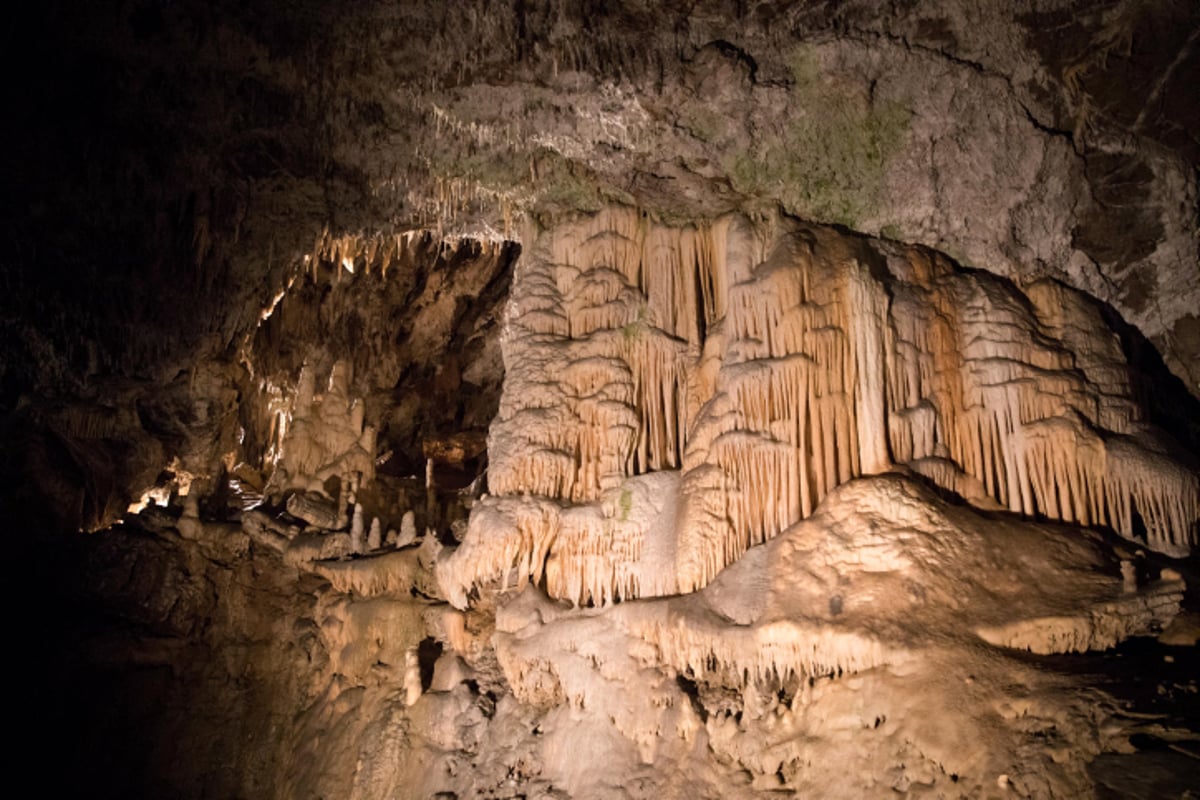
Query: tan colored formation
323	436
770	364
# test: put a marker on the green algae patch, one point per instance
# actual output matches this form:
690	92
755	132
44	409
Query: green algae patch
827	158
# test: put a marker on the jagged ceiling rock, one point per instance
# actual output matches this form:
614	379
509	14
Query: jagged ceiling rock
197	149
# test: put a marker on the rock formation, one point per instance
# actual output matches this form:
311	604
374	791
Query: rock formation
769	366
792	398
323	439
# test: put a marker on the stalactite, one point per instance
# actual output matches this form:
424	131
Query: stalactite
318	440
506	535
771	366
775	651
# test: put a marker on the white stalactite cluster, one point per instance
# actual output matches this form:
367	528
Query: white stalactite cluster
1035	407
770	366
599	348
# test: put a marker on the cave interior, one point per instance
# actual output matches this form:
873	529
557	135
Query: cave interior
574	399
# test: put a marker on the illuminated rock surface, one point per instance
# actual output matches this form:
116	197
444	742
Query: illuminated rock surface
768	366
602	400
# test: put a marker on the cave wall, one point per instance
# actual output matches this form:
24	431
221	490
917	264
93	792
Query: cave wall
219	660
416	323
199	150
187	183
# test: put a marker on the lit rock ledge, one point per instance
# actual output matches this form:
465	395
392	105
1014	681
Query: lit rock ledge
1098	628
850	639
883	576
882	569
398	572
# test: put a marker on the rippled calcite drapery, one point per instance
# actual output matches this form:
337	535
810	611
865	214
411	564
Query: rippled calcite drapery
763	366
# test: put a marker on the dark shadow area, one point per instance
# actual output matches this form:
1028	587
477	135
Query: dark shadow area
1155	686
1163	396
428	652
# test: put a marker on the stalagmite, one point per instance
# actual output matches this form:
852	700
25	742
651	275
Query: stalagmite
408	530
412	677
375	536
345	500
1129	575
322	439
356	530
770	366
